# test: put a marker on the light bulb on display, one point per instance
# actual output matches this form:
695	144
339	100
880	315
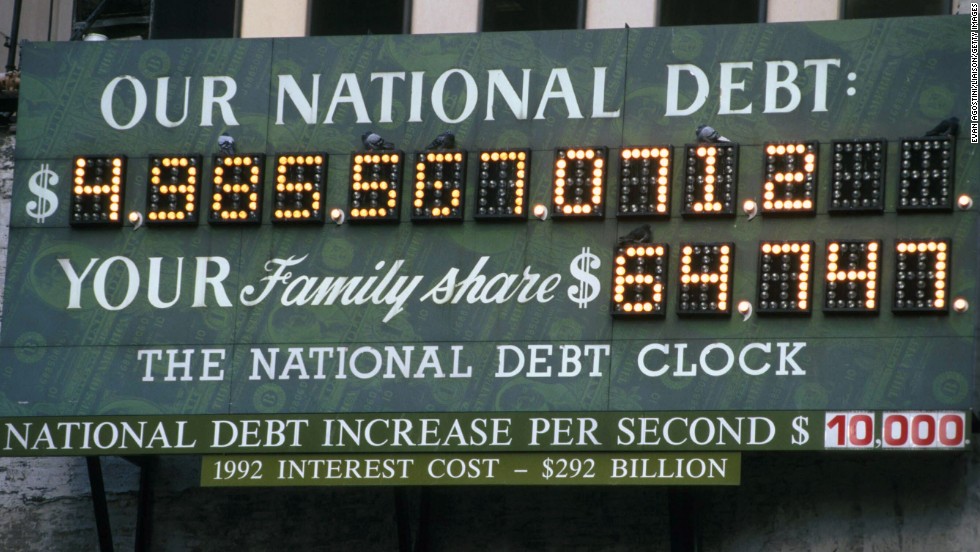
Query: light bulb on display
136	218
745	309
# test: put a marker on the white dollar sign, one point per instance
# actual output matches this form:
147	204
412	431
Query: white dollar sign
587	288
47	201
802	435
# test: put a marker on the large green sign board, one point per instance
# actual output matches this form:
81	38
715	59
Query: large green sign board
835	240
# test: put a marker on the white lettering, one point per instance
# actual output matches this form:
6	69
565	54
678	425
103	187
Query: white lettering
348	91
673	84
307	107
132	277
202	280
387	85
727	85
139	108
497	81
599	96
75	281
820	81
439	96
774	84
565	92
162	93
222	101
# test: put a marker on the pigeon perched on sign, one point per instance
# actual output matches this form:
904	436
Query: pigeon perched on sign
373	141
641	234
446	140
708	135
226	144
949	127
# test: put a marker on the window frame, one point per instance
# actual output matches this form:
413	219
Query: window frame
580	7
761	17
946	9
406	18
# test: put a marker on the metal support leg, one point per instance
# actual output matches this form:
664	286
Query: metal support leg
403	518
422	535
406	521
99	503
685	533
144	509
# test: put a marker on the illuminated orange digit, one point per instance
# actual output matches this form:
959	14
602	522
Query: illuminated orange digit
503	182
639	280
790	178
439	186
852	276
374	183
578	186
921	275
784	281
706	271
644	181
299	188
710	180
236	189
173	190
97	193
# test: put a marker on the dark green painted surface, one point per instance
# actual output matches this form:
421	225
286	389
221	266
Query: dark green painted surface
471	469
909	74
502	432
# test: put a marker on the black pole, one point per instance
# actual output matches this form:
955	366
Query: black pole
422	536
144	511
79	33
99	503
14	31
50	17
403	520
684	531
407	17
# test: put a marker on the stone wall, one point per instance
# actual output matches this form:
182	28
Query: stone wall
787	502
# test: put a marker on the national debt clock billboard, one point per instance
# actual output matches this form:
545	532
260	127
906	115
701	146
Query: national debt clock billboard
579	257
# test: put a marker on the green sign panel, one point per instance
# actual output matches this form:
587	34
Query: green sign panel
471	469
768	218
487	432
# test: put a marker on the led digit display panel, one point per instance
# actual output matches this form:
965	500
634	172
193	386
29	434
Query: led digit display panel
857	183
785	277
300	188
705	279
921	276
710	180
97	191
502	185
640	280
926	174
644	182
173	190
790	178
236	189
852	279
375	181
579	183
440	179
